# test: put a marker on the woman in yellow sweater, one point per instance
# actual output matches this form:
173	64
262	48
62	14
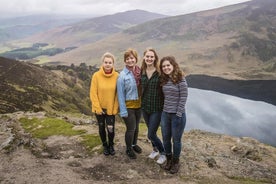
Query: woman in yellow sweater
103	95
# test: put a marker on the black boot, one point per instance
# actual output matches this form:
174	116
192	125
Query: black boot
130	153
111	149
169	162
137	149
105	149
175	166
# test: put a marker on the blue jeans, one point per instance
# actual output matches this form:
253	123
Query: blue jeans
172	127
153	121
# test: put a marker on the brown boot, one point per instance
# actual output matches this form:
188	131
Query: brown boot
169	162
175	166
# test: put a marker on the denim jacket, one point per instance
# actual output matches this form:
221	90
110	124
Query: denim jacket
126	90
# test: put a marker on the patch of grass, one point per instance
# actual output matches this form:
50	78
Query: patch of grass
43	128
91	141
42	60
143	127
17	88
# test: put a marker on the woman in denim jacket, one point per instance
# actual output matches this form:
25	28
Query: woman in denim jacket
128	89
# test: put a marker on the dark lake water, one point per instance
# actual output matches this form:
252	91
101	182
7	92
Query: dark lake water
226	114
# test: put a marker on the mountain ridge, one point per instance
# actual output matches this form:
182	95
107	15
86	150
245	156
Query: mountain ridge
21	27
232	42
94	29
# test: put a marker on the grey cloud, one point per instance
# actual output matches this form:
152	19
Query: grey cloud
93	7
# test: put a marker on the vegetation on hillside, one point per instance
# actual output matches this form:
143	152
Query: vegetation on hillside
29	87
37	49
265	49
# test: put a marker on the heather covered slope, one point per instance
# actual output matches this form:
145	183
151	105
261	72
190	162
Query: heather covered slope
29	87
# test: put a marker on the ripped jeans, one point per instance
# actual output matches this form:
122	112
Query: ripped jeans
106	126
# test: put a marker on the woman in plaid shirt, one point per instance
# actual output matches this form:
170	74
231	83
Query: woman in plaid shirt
152	101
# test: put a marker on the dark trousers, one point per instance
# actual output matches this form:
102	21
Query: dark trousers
106	126
132	126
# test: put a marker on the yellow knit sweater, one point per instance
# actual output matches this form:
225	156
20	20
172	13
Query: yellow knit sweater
103	93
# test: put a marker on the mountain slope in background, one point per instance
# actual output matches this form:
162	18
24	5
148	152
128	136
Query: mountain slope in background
92	30
21	27
236	41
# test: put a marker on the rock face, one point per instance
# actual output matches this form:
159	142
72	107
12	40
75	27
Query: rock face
206	157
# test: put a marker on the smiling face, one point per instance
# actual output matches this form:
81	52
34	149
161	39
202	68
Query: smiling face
108	64
149	58
130	61
167	67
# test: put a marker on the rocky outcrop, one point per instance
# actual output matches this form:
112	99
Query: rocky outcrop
206	158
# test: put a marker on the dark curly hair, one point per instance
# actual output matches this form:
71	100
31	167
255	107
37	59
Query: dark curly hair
177	73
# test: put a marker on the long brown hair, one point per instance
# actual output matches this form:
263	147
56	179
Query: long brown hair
156	61
177	73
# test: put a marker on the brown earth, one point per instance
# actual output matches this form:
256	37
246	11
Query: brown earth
206	158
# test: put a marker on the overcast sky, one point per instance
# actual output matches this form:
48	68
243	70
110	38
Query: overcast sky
105	7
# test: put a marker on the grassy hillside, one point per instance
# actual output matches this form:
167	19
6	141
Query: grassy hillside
28	87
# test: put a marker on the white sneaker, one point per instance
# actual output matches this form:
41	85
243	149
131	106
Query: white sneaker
153	154
162	159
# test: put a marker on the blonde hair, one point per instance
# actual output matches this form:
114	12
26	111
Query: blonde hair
108	55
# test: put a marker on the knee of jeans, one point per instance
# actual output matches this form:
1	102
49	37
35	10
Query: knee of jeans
151	136
101	125
176	141
110	128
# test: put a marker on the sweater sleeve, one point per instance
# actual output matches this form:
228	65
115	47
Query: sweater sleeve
116	105
96	107
183	94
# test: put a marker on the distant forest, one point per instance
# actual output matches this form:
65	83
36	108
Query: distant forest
37	49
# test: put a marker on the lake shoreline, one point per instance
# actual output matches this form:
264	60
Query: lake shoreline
258	90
